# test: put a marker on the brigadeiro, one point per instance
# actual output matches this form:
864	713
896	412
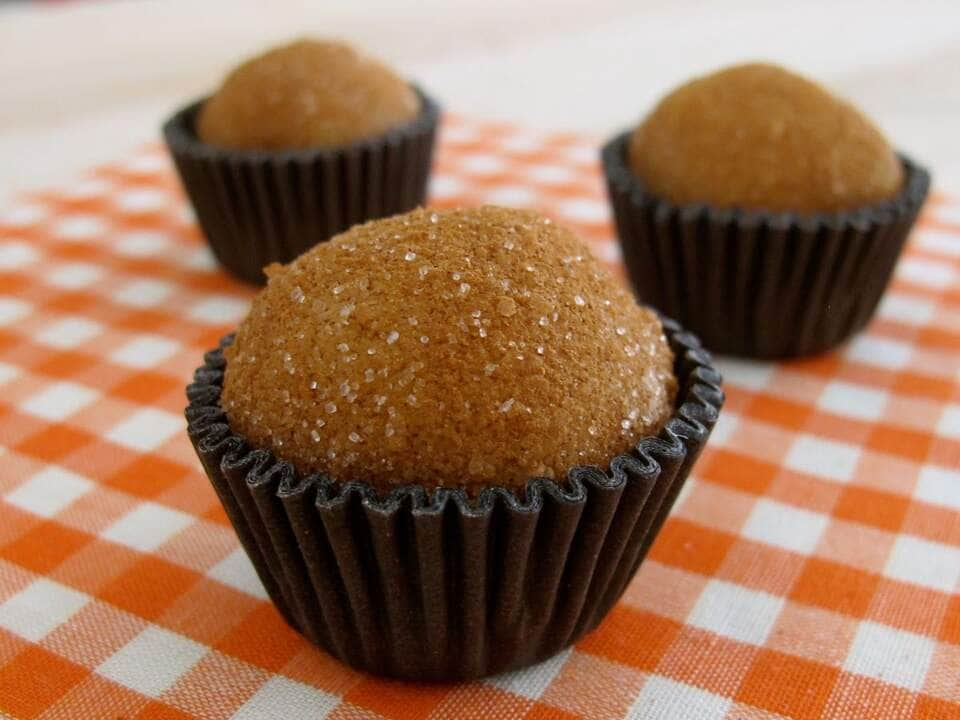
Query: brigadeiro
298	144
761	211
448	438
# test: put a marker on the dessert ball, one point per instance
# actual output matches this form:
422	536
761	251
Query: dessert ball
464	348
760	137
307	94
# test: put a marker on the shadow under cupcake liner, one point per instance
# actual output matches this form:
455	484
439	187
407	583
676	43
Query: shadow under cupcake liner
442	586
256	206
759	284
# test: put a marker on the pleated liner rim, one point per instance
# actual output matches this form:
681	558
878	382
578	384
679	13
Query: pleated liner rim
253	205
851	242
401	584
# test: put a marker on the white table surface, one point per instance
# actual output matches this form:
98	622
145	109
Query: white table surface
87	80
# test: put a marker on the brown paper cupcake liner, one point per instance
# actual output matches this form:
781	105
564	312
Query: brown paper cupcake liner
256	207
443	586
765	285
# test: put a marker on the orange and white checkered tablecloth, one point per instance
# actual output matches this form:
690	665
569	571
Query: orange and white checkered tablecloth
810	570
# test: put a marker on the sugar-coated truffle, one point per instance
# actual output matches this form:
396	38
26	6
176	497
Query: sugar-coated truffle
467	348
760	137
304	95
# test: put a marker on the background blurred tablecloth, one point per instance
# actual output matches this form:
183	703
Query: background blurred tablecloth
85	80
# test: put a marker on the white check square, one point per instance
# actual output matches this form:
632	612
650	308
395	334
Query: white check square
551	174
938	275
148	163
585	210
533	681
747	374
146	429
143	293
880	352
948	212
219	309
609	252
736	612
145	351
785	526
945	243
49	491
40	608
147	527
80	227
141	200
827	459
16	254
892	656
481	164
73	276
236	571
8	372
444	186
141	243
851	400
59	401
198	259
908	309
23	215
948	425
924	562
665	699
514	195
69	333
726	425
153	661
280	699
939	486
87	189
12	309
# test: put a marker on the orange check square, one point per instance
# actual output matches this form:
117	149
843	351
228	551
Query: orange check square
738	471
54	442
34	680
911	444
872	507
160	711
146	387
147	476
835	586
788	685
778	411
148	587
540	711
950	625
262	638
691	547
929	708
632	637
45	546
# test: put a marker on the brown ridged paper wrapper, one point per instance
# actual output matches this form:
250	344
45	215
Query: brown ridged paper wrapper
764	285
256	206
442	586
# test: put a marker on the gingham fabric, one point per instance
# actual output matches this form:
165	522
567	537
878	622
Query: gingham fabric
810	569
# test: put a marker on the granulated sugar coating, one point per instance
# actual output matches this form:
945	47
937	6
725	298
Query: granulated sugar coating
306	94
448	348
760	137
